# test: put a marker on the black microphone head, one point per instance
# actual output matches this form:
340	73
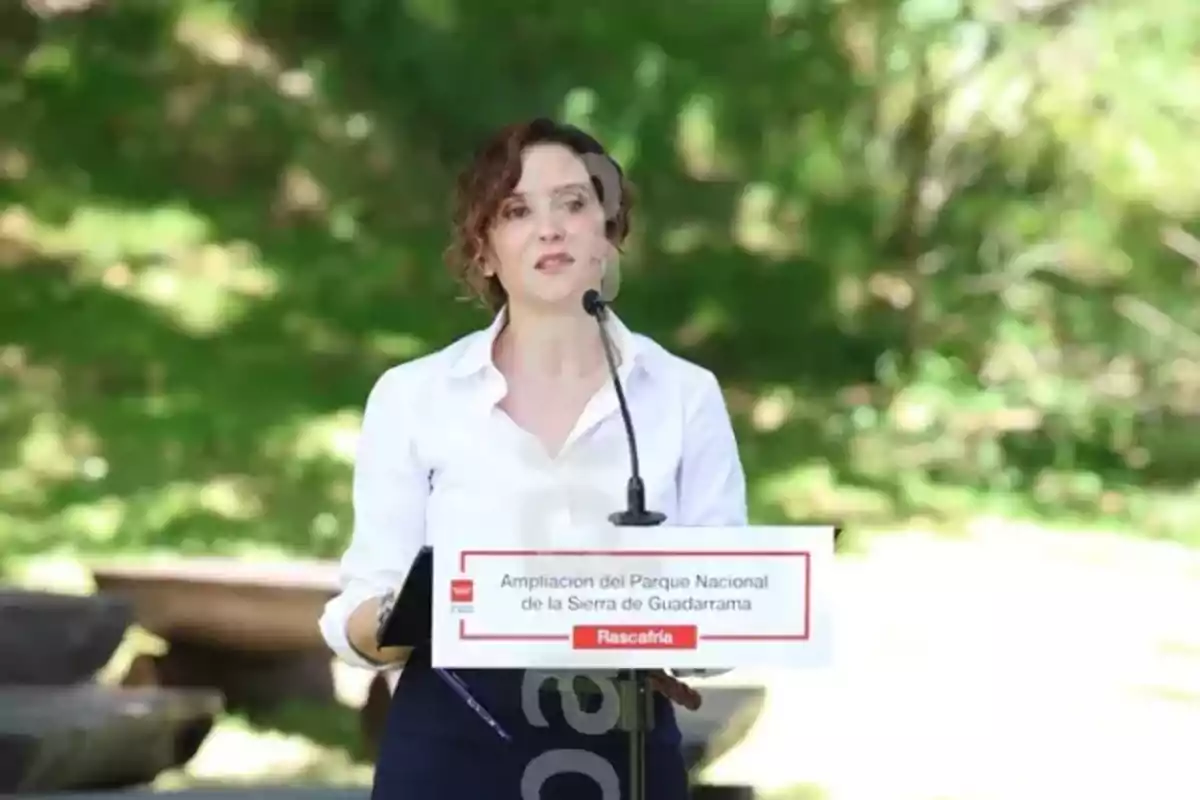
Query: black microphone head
593	303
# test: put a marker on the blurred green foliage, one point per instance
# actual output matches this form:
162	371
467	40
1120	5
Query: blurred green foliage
942	253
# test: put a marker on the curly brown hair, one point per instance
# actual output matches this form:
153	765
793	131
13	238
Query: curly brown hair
491	177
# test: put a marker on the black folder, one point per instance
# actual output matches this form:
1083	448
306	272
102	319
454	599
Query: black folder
410	622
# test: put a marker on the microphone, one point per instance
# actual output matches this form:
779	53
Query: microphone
635	513
637	701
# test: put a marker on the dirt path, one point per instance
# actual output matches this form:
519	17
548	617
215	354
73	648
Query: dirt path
1017	665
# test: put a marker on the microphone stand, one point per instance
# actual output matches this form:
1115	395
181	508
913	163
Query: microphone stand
637	701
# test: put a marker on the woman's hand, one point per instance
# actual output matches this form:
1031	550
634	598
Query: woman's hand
675	690
361	630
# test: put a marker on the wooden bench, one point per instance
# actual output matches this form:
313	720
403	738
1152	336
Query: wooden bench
246	628
49	639
55	739
61	731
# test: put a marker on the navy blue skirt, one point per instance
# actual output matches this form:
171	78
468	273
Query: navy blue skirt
434	746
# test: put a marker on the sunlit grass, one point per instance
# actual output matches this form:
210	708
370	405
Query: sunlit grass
99	235
163	256
811	491
241	752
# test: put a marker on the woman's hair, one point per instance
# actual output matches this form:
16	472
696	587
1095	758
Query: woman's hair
491	177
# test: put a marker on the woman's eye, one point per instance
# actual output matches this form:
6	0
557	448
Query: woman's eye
515	212
576	204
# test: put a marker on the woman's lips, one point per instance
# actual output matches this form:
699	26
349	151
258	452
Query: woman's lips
554	262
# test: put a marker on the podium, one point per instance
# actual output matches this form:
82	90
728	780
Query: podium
666	598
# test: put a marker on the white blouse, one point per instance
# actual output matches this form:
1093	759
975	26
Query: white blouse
436	452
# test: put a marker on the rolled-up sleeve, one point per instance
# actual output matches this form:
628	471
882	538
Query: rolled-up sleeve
712	482
389	497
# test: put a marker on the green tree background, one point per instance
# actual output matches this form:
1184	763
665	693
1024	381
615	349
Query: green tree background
942	253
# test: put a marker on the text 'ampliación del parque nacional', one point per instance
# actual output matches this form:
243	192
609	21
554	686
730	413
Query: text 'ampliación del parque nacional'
635	591
698	597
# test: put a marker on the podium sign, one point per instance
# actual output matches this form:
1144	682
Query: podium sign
635	598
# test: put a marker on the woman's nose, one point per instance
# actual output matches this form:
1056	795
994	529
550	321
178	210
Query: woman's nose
550	225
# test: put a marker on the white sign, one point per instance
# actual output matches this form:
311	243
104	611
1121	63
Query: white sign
644	598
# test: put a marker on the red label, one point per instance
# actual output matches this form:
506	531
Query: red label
634	637
462	590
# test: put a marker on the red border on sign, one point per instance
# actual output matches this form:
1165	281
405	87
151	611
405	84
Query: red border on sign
802	636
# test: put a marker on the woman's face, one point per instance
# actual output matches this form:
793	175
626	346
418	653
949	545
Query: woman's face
548	244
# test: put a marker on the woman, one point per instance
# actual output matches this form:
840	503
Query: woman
465	433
